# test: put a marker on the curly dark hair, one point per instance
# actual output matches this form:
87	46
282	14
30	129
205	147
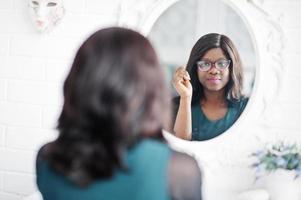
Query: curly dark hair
209	41
114	94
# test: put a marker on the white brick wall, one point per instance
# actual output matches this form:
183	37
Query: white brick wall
32	70
50	116
16	114
28	138
4	41
33	67
1	181
20	67
2	137
18	183
2	89
6	4
17	160
9	196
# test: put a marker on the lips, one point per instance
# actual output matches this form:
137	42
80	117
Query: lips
214	79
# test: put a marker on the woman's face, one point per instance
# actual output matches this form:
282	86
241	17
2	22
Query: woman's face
217	76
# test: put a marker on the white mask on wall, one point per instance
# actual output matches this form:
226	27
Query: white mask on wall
46	14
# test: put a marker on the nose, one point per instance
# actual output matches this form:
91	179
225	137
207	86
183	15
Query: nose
214	70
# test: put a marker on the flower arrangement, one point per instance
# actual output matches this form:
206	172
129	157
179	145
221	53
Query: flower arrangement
278	156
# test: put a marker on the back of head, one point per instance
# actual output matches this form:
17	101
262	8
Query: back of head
114	94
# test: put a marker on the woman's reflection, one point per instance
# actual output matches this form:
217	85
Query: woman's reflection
210	89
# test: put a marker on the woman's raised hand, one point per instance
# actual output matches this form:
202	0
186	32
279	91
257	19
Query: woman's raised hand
181	82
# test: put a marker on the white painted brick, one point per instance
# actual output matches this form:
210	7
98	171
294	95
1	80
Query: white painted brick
21	5
20	115
8	72
34	92
75	6
4	41
16	22
17	137
57	70
1	181
88	24
101	20
19	183
103	6
34	196
50	117
44	46
9	196
2	136
17	160
23	68
4	4
4	60
2	89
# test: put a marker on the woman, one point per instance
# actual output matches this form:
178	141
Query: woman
210	89
110	128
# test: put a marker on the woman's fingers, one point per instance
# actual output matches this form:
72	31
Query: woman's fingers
181	74
186	75
181	82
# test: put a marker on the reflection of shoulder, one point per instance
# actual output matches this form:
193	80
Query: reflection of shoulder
243	102
239	104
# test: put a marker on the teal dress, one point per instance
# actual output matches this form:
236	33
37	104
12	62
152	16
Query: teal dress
205	129
146	178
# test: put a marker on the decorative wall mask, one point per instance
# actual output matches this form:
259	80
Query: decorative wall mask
46	14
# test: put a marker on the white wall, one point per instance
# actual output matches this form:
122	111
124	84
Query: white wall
33	66
32	69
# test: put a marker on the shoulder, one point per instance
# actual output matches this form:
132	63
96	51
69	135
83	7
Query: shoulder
42	156
239	104
149	150
180	161
185	180
43	171
152	146
44	150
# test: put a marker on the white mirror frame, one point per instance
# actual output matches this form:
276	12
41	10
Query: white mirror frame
230	151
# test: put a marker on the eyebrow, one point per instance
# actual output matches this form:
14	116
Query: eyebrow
206	59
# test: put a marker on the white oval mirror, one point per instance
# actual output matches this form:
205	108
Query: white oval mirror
174	35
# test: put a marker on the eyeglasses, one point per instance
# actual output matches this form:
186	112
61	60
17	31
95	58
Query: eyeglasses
206	65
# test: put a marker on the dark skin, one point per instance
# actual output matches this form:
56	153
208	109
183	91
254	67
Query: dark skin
214	104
